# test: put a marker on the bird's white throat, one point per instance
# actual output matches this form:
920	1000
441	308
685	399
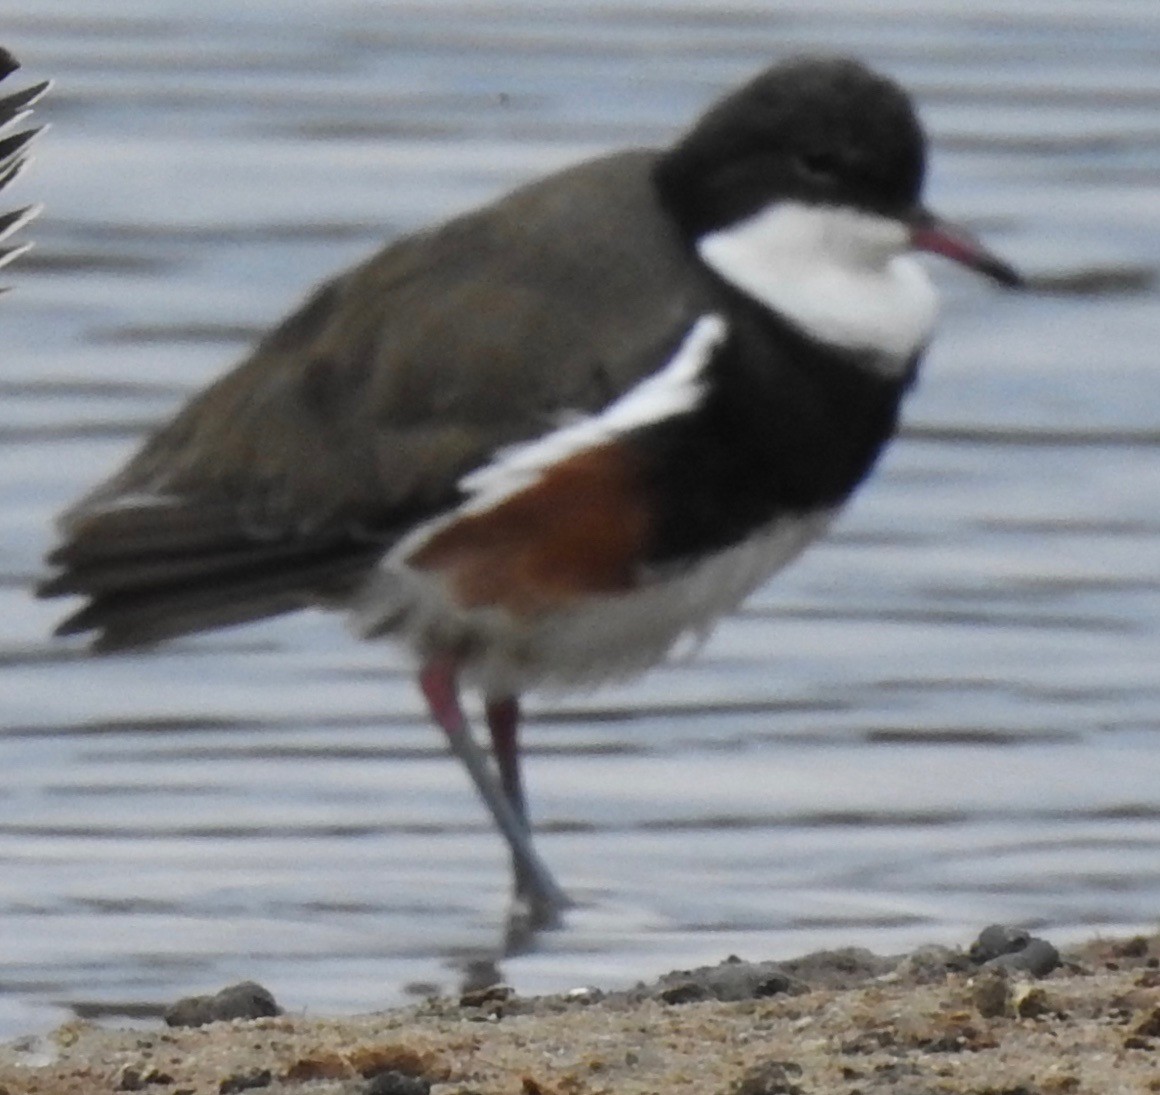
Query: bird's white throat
842	276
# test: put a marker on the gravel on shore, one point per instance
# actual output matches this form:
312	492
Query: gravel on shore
837	1023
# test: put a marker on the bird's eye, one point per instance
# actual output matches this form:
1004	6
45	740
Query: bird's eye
819	167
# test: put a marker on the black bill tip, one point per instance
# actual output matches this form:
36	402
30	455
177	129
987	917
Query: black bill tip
931	233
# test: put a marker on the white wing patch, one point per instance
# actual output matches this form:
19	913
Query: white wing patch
841	276
672	390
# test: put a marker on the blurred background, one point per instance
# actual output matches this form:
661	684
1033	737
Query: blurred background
946	715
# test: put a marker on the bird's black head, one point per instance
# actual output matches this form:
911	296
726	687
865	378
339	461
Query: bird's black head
838	151
812	130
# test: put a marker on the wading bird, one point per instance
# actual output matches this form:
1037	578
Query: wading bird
14	107
541	442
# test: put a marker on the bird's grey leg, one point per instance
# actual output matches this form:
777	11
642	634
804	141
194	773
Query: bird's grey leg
438	680
503	722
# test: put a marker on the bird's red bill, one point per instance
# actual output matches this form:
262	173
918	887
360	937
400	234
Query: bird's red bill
930	233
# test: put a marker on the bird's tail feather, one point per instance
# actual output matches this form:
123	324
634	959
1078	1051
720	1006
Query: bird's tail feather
159	572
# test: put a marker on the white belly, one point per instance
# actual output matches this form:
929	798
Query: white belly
597	638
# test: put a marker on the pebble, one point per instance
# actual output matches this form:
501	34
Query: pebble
397	1083
996	940
732	980
245	1081
1038	958
245	1000
1014	950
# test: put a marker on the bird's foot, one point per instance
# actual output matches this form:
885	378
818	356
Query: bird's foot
528	915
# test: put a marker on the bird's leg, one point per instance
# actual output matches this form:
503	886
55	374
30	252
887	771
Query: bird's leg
438	680
503	721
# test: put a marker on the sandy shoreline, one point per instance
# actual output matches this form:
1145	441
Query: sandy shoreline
841	1022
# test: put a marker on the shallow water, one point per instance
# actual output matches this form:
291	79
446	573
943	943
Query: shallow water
945	715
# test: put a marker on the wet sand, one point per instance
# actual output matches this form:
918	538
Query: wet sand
841	1022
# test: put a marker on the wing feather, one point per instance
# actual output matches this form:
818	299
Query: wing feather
14	152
